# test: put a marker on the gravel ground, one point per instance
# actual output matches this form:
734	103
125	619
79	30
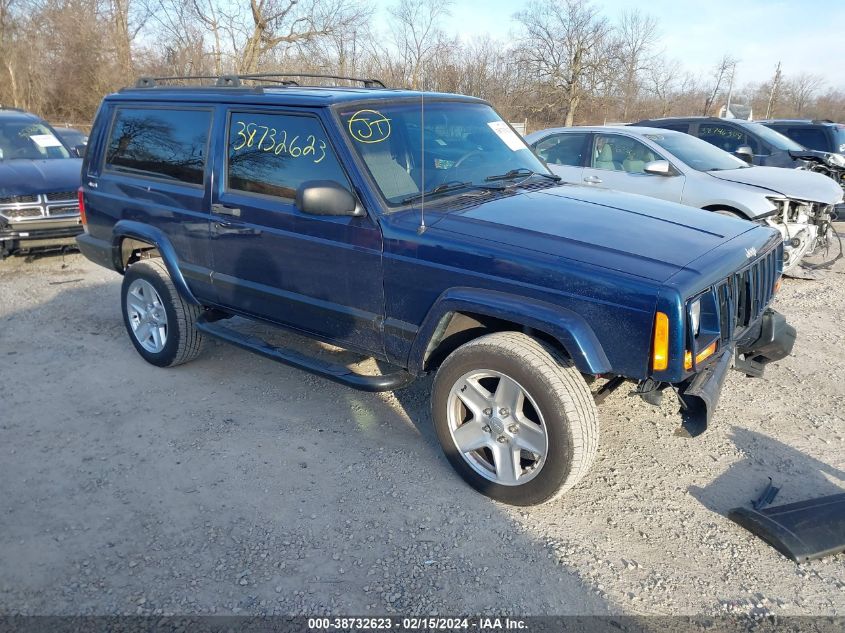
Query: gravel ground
236	485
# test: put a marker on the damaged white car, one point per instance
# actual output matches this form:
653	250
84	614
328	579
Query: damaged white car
681	168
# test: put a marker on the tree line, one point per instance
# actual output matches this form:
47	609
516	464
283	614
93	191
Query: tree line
566	63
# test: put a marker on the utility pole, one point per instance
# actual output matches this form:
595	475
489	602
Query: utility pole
730	90
775	85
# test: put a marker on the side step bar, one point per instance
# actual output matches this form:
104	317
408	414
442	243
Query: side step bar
332	371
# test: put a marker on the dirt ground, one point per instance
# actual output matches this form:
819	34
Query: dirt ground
234	484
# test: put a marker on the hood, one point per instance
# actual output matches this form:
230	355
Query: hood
39	176
797	184
809	154
641	236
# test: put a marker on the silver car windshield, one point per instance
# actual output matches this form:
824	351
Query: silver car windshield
450	147
696	153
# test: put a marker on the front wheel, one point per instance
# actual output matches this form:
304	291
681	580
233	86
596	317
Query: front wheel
514	418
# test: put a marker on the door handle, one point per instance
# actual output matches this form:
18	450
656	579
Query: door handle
222	227
593	180
222	209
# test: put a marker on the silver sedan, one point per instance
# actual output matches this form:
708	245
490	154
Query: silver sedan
681	168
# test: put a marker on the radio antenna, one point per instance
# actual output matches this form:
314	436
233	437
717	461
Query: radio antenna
421	228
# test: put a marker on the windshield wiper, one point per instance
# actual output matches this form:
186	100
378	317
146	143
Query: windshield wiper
446	187
522	172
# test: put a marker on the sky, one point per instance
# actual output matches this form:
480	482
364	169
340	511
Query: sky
757	32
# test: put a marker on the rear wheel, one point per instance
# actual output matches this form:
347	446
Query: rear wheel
159	322
514	418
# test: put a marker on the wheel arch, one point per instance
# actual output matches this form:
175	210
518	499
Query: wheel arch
736	210
130	238
462	314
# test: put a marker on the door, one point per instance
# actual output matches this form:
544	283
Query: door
318	274
564	153
618	162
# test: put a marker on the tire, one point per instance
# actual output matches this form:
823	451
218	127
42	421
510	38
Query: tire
559	405
171	319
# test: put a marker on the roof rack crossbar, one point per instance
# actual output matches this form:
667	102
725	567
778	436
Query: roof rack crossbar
234	81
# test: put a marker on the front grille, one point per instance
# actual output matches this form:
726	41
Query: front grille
745	295
27	212
23	198
68	209
61	195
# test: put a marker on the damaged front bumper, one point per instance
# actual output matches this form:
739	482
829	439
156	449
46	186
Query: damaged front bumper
770	341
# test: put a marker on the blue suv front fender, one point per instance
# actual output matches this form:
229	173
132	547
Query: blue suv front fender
567	327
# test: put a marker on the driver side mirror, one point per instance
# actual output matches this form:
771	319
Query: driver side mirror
658	168
327	197
79	150
745	153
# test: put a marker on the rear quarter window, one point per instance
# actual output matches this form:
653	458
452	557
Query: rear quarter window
810	137
160	143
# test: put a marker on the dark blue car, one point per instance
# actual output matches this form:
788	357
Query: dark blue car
419	229
39	179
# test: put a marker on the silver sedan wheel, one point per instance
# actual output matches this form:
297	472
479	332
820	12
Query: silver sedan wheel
497	427
147	316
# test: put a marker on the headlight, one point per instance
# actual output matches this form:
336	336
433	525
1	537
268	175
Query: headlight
837	160
704	331
695	316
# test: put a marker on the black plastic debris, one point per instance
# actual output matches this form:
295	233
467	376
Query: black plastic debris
766	497
802	531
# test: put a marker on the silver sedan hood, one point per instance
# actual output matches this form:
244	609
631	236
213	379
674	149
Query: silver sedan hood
797	184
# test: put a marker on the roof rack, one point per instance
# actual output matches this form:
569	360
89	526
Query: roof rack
237	81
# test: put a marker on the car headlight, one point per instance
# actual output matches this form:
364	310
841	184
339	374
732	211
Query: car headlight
704	333
695	316
837	160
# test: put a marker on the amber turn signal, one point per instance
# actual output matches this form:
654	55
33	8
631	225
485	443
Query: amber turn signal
703	355
660	355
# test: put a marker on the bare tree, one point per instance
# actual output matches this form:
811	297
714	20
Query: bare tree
635	36
721	73
559	43
801	89
663	82
417	35
291	23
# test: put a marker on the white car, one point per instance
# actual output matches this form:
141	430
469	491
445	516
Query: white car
681	168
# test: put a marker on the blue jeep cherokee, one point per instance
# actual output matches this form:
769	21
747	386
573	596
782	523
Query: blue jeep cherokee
419	229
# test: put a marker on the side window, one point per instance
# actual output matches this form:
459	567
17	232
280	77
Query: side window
161	143
273	154
562	149
724	137
621	153
809	137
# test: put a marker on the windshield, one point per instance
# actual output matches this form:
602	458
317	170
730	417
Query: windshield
775	139
451	146
29	141
696	153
